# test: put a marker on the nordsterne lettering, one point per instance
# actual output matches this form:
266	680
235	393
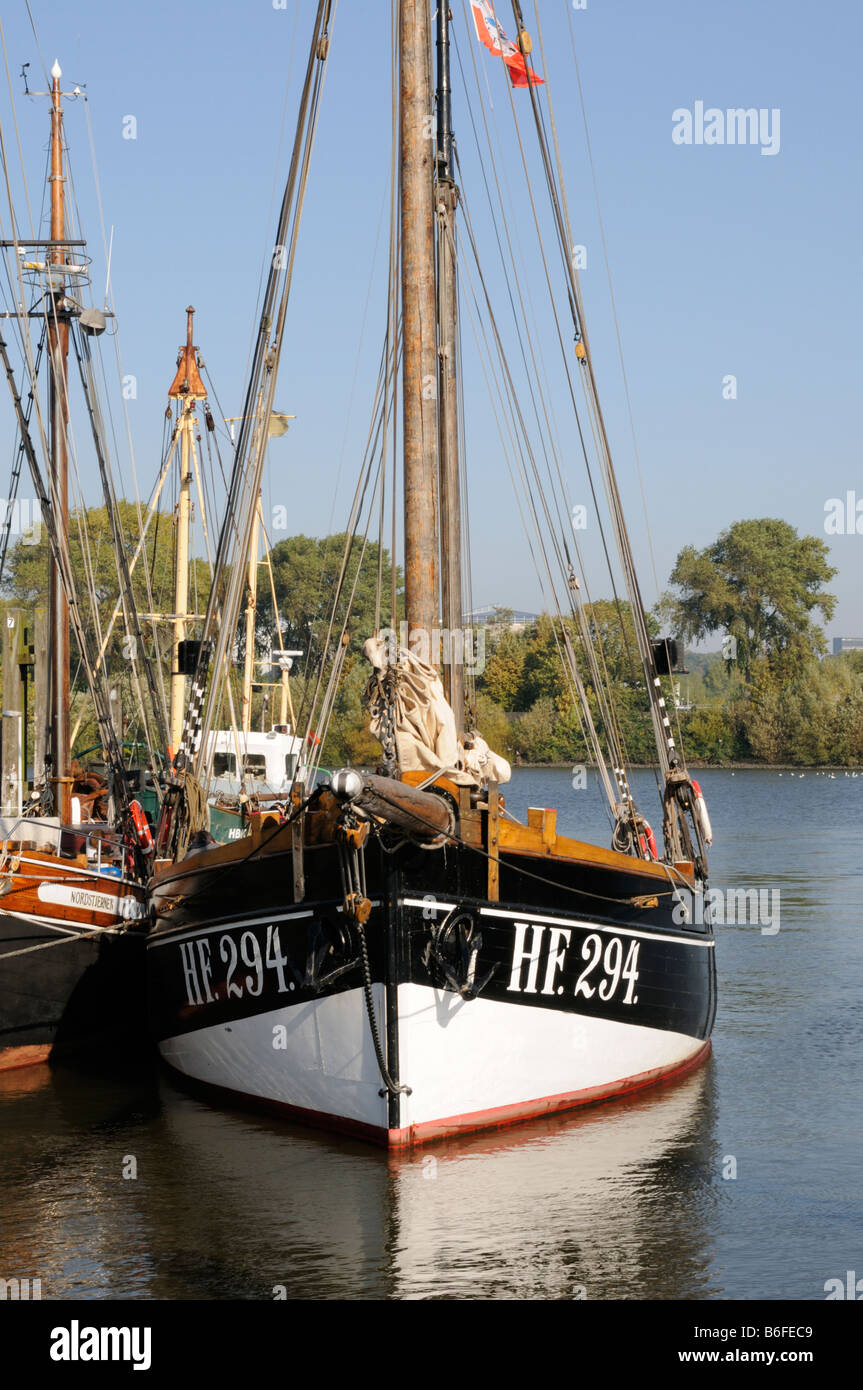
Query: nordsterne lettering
734	126
76	1343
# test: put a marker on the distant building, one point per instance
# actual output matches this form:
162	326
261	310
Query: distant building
490	617
847	644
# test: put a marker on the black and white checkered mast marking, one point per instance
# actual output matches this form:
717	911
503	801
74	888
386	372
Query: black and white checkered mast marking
191	739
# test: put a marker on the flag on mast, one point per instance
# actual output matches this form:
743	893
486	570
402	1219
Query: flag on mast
490	33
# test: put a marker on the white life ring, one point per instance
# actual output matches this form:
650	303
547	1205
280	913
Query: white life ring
701	814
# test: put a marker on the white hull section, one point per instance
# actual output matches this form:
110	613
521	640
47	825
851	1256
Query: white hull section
316	1056
467	1063
461	1056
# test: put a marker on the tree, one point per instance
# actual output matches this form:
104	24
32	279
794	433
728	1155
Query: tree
612	632
535	732
504	671
710	734
760	583
306	572
815	718
494	725
305	577
543	672
95	570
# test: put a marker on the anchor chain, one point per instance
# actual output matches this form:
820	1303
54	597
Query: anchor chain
351	837
379	697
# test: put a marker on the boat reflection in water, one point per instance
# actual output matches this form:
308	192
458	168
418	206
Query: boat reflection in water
614	1203
142	1192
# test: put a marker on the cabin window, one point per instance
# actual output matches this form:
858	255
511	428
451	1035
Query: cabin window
290	764
224	765
254	765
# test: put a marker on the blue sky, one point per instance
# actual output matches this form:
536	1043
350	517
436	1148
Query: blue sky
725	261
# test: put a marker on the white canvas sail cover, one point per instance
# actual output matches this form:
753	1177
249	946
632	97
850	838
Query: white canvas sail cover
425	731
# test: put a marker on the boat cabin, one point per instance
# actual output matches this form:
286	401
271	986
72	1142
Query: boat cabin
269	760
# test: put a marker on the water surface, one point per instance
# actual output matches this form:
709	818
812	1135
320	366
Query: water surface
740	1181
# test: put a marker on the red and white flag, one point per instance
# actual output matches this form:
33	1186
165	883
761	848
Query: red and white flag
489	32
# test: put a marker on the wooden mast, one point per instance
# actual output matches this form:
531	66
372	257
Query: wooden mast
58	353
188	388
420	374
446	201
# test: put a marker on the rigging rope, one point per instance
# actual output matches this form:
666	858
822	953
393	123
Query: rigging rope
226	593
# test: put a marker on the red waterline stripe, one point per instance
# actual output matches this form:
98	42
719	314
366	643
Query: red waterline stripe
413	1136
26	1056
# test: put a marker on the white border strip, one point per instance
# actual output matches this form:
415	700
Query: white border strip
530	917
158	938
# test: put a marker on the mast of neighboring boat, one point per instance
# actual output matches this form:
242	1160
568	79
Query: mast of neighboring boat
229	568
51	487
446	202
58	351
251	609
188	388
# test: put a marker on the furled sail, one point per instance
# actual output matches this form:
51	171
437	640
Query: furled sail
424	724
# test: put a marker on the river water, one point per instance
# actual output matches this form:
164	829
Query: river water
743	1181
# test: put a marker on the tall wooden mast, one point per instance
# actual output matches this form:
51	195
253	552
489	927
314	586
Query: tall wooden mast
446	201
187	388
58	353
420	371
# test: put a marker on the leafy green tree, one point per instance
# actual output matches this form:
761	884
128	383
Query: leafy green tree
504	671
306	572
348	739
612	631
535	732
494	725
306	576
815	718
760	583
543	673
95	570
710	735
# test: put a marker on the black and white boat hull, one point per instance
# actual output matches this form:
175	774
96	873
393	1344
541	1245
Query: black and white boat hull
485	1015
68	992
